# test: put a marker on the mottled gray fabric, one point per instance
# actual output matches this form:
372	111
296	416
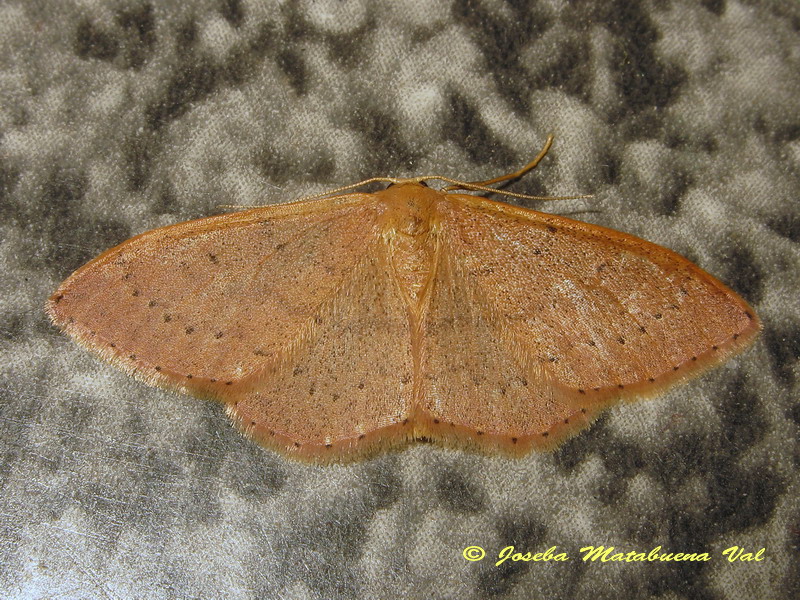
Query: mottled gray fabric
680	117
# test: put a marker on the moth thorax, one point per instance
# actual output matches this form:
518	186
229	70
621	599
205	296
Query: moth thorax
409	231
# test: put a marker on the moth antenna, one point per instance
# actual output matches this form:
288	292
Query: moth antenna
516	174
344	188
477	187
484	185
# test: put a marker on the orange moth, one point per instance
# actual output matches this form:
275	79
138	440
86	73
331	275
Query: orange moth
338	326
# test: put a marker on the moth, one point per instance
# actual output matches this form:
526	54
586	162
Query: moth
335	327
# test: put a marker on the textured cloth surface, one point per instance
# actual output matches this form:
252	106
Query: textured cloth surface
680	117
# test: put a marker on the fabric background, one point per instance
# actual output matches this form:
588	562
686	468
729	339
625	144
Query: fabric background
118	117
